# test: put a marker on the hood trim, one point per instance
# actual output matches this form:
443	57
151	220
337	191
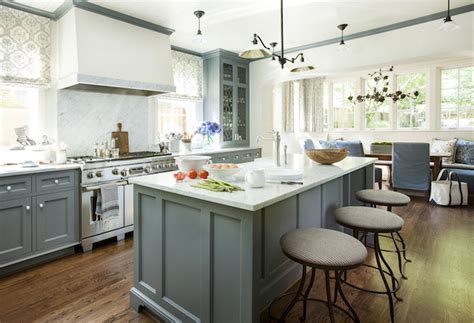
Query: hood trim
102	84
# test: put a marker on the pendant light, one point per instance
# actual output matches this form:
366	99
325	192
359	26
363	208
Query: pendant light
342	48
199	37
256	51
448	24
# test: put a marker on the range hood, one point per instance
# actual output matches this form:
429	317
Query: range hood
101	54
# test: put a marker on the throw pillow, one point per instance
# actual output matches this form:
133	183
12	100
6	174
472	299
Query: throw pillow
329	144
465	152
444	146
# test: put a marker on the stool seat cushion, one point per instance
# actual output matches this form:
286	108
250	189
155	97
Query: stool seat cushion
382	197
368	219
323	248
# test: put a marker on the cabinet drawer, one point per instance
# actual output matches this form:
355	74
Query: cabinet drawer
243	157
14	186
54	181
256	153
222	159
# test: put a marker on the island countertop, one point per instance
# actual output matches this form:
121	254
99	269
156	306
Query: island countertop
253	199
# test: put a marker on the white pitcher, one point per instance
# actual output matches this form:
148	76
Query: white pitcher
255	178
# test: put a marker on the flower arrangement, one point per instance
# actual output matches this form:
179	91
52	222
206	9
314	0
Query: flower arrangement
208	129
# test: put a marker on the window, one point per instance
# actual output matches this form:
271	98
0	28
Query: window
457	98
411	113
377	115
326	106
342	108
176	116
18	108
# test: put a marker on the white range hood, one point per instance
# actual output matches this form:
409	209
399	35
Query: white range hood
98	53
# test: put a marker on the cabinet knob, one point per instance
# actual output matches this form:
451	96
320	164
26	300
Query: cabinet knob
9	188
56	181
236	156
27	207
41	205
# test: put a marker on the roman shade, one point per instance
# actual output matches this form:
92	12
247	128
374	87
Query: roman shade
187	75
25	47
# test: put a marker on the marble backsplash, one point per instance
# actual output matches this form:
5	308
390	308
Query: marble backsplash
85	118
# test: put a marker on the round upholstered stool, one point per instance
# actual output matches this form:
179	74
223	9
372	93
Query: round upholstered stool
388	199
323	249
376	221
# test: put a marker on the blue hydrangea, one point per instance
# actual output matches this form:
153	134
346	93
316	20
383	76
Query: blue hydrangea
209	128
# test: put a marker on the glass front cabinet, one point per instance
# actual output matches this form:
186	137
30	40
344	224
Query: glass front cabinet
226	96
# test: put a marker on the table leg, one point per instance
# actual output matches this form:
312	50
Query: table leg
437	161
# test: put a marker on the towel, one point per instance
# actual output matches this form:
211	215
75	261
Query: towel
107	202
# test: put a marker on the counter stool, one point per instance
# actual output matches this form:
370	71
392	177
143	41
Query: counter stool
371	220
388	199
324	249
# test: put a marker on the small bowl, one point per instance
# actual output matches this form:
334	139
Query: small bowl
327	156
221	172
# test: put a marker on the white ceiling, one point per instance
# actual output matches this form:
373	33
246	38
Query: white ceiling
46	5
230	24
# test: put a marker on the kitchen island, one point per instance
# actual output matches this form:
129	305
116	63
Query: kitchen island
203	256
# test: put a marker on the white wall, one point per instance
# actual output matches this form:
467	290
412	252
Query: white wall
415	44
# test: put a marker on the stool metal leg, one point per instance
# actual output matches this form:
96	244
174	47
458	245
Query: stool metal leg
328	297
295	299
377	258
399	255
344	299
306	293
404	247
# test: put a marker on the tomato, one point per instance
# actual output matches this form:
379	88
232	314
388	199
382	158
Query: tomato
192	174
179	176
203	174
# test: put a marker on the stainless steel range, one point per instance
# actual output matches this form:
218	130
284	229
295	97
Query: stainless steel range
98	171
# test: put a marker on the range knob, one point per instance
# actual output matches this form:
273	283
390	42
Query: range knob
161	165
115	171
90	175
148	169
98	173
124	172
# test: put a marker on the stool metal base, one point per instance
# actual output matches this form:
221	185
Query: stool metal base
299	296
390	292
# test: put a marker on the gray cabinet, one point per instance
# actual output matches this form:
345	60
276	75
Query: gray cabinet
226	97
237	157
55	220
38	214
16	218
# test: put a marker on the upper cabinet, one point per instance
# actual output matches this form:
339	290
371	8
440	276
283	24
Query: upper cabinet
226	96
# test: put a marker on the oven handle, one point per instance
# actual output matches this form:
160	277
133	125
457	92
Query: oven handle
93	188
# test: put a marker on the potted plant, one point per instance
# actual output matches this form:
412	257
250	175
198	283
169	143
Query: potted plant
381	147
208	129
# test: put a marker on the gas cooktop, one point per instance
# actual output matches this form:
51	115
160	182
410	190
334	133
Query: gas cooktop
131	155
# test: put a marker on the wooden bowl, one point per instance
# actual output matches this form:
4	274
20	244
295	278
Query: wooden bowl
327	156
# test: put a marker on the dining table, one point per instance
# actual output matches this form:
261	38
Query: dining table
435	157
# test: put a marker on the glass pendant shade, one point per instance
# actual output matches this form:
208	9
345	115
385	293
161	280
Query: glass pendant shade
255	51
199	38
448	25
301	67
342	48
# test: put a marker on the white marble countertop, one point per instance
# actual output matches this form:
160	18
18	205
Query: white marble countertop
212	151
12	170
253	199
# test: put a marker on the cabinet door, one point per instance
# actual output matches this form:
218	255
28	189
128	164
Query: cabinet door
56	220
227	113
15	228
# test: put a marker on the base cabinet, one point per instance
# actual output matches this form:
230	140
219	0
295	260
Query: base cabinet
55	220
15	228
43	220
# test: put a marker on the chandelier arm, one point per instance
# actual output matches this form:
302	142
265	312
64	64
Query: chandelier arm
261	41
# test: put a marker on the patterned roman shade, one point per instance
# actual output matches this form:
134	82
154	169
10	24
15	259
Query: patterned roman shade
24	48
188	76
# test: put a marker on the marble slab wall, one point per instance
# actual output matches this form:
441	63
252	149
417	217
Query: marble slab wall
85	118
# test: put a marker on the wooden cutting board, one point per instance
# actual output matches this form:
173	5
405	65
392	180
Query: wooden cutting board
121	138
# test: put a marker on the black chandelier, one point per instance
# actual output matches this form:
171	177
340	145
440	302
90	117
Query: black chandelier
257	52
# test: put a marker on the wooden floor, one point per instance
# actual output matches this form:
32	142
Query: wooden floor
93	287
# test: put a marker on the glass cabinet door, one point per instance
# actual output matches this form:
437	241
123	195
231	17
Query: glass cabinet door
228	72
241	114
228	113
242	75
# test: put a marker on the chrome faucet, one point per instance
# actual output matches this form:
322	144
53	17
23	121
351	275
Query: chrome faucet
276	138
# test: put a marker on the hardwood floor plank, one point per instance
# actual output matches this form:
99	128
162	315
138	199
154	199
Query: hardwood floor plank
93	287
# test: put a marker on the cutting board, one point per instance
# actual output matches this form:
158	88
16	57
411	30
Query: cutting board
121	139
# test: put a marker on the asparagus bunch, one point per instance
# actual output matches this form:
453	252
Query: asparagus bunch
215	185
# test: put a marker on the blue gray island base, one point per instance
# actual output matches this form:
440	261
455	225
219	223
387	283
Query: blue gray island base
198	261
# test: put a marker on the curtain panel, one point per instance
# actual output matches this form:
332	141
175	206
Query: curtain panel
25	48
311	102
287	107
188	76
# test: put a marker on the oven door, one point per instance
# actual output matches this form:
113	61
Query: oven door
128	200
90	224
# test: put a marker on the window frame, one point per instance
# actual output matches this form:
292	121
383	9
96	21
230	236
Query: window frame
439	88
362	106
356	86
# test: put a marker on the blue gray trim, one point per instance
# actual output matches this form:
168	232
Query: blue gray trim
379	30
186	51
19	6
84	4
62	9
226	54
